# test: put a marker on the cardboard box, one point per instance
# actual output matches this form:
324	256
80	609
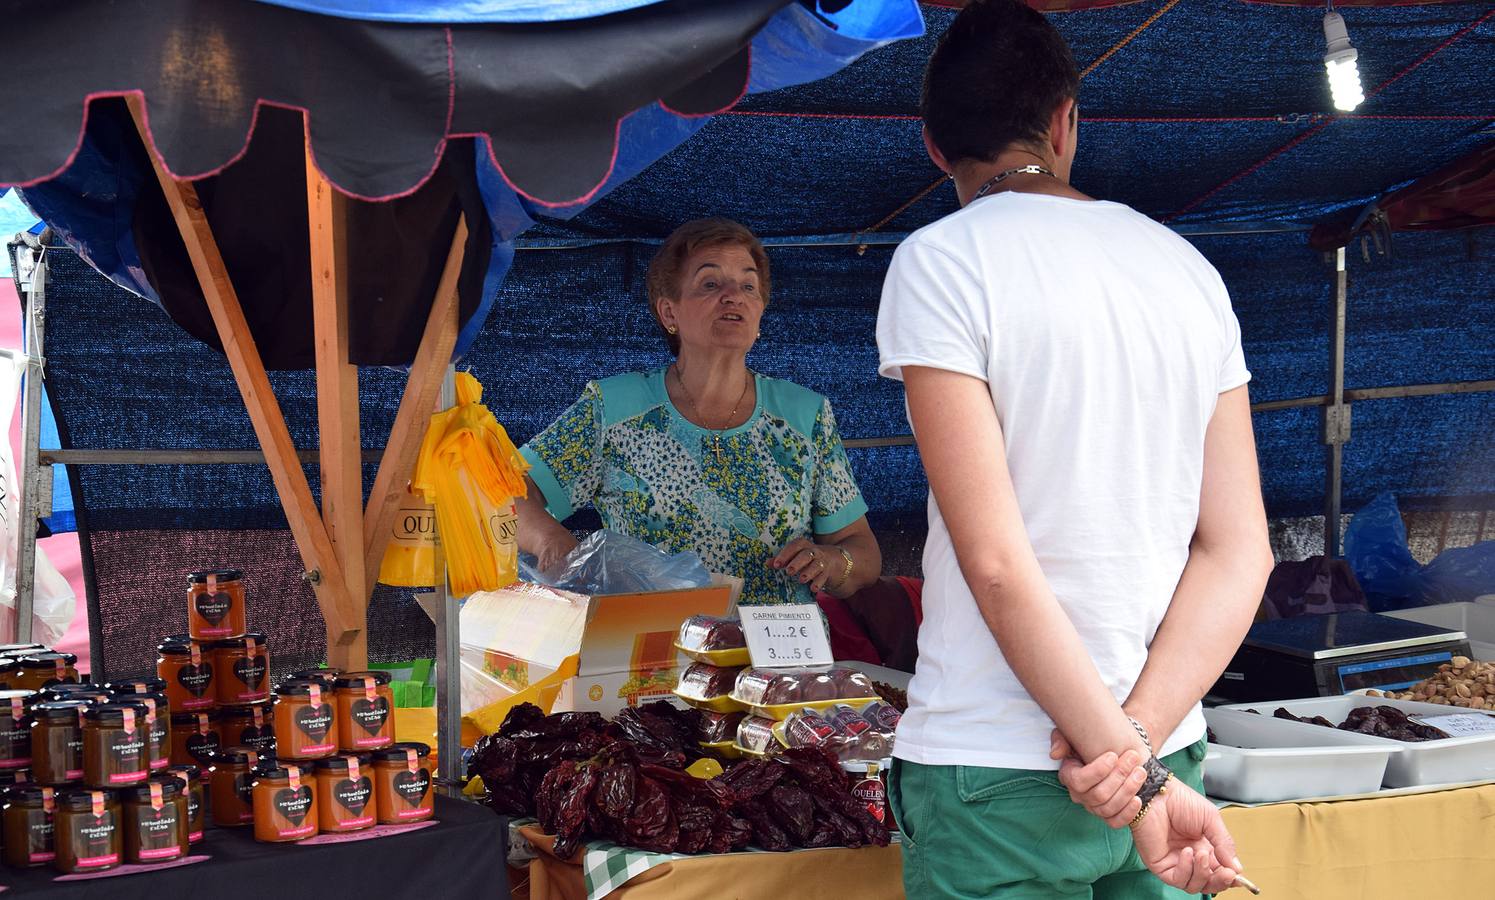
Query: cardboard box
559	650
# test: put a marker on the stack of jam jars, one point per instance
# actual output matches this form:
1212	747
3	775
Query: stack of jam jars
217	675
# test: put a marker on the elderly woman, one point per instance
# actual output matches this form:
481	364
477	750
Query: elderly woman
706	454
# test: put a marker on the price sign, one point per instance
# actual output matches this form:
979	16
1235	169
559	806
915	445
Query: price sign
1459	724
781	637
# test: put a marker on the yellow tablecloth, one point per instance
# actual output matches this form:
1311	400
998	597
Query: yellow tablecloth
1418	847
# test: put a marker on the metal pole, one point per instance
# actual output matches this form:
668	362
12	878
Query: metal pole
448	653
33	487
1336	415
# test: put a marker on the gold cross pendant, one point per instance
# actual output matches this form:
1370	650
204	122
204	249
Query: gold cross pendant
716	448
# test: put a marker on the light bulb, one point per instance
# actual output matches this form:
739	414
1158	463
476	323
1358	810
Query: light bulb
1344	75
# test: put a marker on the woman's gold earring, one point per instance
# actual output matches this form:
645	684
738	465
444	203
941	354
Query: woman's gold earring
670	329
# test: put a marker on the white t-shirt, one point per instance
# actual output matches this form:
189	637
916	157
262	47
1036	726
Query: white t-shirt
1105	340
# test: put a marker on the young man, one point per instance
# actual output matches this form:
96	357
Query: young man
1097	542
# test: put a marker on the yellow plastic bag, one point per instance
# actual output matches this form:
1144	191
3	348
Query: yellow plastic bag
410	558
471	472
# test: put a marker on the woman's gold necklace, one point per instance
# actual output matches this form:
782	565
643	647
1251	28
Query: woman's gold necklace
716	433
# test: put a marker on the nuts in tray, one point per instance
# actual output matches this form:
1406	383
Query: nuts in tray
1459	682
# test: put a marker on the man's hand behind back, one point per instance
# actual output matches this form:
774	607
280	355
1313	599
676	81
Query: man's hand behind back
1183	841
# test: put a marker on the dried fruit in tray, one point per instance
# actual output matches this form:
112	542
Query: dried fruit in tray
717	727
779	687
711	633
755	735
1380	721
706	682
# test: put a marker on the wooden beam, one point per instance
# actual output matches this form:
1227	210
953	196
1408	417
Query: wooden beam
324	570
416	406
337	405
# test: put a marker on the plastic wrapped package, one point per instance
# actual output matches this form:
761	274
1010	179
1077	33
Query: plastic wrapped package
755	735
706	682
778	687
882	716
718	727
711	633
807	728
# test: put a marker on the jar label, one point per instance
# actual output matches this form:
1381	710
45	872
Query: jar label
412	786
370	716
251	672
353	795
293	804
171	852
213	607
39	840
314	722
158	830
95	842
262	739
197	679
202	743
244	787
127	755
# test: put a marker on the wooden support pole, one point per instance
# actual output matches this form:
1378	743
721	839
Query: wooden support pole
416	406
324	571
337	405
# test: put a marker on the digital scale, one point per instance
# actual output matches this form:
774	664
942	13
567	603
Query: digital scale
1333	654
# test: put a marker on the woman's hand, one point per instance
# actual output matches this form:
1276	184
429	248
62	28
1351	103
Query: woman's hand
814	565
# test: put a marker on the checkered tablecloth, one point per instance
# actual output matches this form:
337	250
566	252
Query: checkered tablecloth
607	866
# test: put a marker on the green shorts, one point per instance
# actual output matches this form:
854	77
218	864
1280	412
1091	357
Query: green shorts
972	831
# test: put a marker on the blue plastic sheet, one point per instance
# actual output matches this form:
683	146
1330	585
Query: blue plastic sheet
1375	545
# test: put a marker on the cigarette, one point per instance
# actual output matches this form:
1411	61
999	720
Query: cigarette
1248	884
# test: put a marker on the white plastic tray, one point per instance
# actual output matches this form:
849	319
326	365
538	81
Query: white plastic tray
1418	763
1260	759
1477	620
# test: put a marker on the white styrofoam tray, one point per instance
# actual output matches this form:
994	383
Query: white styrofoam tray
1476	620
1261	759
1420	762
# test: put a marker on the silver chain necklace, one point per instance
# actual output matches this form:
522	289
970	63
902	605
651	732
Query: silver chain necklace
1003	176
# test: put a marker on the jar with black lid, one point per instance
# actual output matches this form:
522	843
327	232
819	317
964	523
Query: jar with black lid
345	793
249	725
116	741
155	821
20	650
285	803
15	729
402	784
215	604
158	720
43	669
305	724
242	665
231	785
365	711
57	742
87	831
194	736
28	820
187	668
191	778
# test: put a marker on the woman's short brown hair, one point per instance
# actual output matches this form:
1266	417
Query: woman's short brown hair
667	265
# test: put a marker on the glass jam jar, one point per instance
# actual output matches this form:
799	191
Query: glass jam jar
194	736
187	668
15	729
158	723
242	667
231	786
215	604
136	686
57	742
285	803
402	784
190	777
28	825
345	794
304	721
365	711
155	821
249	725
87	831
40	670
116	749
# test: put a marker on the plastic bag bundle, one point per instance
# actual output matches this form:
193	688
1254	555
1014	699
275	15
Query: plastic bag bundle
610	562
471	472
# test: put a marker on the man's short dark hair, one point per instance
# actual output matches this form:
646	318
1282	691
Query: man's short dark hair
994	80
